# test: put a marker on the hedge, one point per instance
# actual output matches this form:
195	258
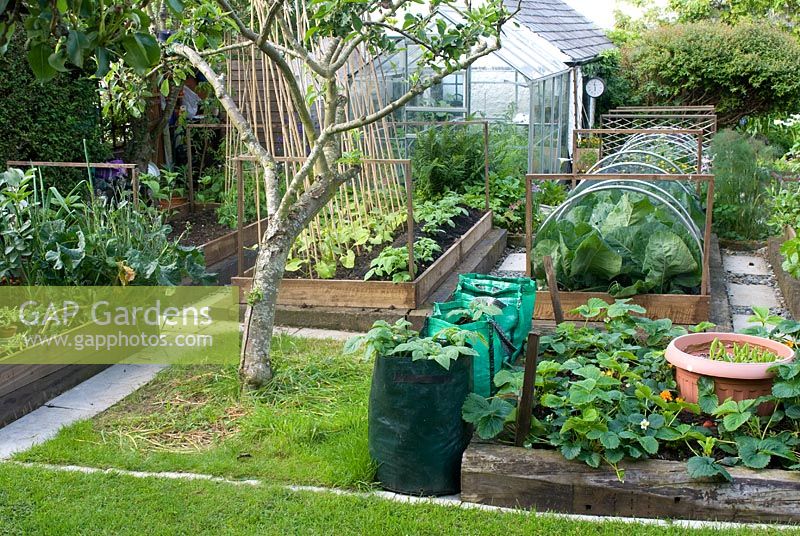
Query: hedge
47	121
747	69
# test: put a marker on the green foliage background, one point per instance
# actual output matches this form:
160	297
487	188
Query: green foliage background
47	121
747	69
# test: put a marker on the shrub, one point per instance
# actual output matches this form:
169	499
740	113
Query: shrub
447	158
48	121
748	69
741	180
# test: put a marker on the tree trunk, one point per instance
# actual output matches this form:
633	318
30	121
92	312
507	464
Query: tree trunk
256	366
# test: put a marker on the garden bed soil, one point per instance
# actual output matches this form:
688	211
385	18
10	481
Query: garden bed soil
445	239
202	226
544	480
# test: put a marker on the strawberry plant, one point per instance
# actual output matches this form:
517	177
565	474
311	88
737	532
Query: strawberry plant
604	395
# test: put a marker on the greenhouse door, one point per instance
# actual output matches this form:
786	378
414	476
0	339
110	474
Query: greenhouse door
550	123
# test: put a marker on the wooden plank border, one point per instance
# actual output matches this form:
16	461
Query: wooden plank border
544	480
680	308
225	246
789	285
374	294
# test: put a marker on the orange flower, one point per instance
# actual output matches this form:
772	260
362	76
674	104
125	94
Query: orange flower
789	343
666	395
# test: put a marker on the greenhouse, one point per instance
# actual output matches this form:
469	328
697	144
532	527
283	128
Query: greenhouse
534	81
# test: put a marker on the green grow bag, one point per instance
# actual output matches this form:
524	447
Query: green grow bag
503	335
519	293
492	350
416	434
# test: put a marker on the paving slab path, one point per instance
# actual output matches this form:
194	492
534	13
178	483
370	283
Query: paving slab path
83	401
750	282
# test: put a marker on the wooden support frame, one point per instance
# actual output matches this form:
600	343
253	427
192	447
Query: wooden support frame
189	167
576	133
96	165
681	308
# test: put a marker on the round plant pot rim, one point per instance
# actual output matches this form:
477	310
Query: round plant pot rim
676	355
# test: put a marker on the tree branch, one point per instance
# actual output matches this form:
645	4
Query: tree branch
477	53
235	117
298	100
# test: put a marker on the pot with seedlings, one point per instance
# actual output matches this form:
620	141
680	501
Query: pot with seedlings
739	364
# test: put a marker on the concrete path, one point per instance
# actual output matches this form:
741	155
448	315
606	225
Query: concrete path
314	333
83	401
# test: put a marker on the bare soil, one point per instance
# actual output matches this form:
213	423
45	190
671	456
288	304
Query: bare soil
200	227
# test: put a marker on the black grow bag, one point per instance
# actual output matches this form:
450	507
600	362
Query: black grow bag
416	434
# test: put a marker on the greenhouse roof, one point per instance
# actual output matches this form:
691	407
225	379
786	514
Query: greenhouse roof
559	24
523	50
530	54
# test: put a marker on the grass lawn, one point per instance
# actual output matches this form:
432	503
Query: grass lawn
308	427
38	501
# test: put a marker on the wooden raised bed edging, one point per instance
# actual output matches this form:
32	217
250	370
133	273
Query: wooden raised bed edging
224	246
790	286
680	308
374	294
543	480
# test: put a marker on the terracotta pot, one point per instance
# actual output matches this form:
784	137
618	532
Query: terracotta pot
739	381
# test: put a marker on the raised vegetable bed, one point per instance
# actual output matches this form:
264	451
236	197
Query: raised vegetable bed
374	294
672	299
542	479
790	286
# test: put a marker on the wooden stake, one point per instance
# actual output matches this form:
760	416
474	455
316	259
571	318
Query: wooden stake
552	286
525	404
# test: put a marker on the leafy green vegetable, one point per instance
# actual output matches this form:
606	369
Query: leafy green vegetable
620	243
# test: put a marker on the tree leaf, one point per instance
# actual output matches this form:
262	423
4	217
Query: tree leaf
38	58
